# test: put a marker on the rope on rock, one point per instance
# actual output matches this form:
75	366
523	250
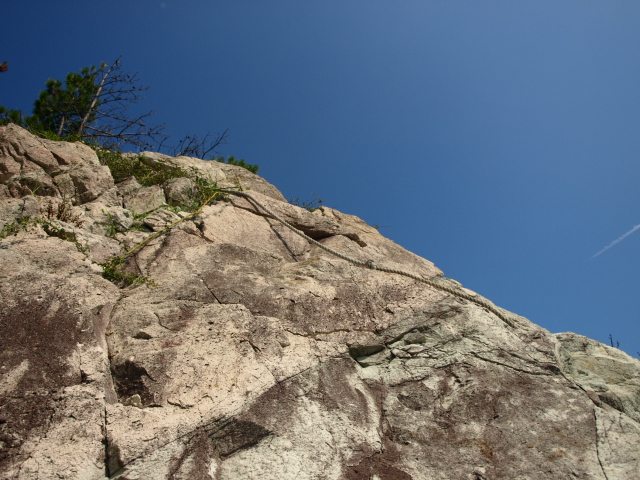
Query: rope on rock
371	265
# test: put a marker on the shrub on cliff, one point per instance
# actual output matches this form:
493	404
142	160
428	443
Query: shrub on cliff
92	106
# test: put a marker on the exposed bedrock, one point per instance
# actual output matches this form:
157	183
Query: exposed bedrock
253	354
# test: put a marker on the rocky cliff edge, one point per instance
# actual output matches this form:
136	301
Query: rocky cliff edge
241	350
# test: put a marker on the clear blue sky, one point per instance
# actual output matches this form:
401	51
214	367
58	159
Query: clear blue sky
498	139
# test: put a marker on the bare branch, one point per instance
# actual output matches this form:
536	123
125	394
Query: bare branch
97	94
111	123
192	146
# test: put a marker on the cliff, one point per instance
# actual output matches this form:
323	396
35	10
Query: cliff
231	347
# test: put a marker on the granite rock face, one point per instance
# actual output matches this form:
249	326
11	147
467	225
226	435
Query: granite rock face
258	355
34	166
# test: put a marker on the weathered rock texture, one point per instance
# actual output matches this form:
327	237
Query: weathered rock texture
257	355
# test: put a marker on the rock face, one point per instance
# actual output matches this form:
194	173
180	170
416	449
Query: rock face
255	354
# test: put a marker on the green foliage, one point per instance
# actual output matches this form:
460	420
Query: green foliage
138	223
205	190
16	117
20	225
11	116
53	136
63	234
113	270
51	211
66	109
112	229
61	111
92	104
123	167
23	224
239	163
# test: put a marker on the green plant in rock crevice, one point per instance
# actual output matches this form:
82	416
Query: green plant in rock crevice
13	228
60	232
23	224
50	211
112	270
121	168
111	224
112	267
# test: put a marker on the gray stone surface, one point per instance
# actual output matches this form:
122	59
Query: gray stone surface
606	373
225	175
160	219
257	355
179	190
30	165
12	209
54	369
145	199
102	219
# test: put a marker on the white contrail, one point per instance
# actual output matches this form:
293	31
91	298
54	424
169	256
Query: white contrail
617	241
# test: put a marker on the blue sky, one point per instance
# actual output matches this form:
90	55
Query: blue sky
498	139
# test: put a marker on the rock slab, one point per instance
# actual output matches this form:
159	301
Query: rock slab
258	355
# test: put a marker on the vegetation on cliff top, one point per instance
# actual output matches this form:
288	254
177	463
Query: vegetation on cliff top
94	106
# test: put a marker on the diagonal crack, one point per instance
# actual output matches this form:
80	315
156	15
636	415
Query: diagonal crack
211	291
495	362
329	332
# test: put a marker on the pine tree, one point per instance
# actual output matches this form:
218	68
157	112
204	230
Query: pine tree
62	109
92	105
